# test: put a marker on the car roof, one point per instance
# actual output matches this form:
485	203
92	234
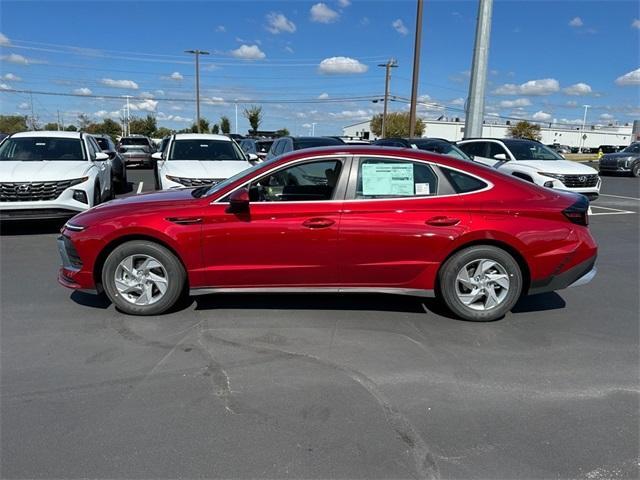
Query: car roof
201	136
47	133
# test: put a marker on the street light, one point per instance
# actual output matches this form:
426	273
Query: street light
391	63
197	53
584	121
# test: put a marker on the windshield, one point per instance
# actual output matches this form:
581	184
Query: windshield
134	141
263	146
441	147
316	142
103	142
633	148
248	146
33	149
525	150
203	150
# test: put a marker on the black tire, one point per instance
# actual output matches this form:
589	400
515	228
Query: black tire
175	274
122	183
635	169
97	198
448	283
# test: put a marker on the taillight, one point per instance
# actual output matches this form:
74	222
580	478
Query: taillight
578	213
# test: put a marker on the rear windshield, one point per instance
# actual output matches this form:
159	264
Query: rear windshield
316	142
204	150
134	141
263	146
33	149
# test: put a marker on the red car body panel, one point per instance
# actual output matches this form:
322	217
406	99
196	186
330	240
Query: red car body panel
395	243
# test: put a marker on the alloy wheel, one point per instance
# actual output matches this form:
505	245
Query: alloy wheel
141	279
482	284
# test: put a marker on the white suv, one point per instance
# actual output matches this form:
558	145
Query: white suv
194	160
52	175
534	162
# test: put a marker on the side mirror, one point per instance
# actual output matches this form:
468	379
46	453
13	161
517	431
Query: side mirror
156	156
112	154
252	157
239	201
500	156
100	157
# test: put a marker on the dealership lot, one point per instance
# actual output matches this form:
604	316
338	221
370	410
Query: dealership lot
351	386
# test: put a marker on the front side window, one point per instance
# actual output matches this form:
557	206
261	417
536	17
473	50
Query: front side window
311	181
389	178
202	150
248	146
475	149
496	149
28	149
103	143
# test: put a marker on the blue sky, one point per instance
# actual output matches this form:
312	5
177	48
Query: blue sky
316	62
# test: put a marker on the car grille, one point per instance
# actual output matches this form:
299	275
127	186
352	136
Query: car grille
196	182
35	191
578	181
609	162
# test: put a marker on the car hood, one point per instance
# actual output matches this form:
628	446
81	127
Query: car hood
203	169
42	171
564	167
621	155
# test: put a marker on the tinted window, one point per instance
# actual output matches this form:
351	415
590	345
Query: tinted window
390	178
263	146
202	149
248	146
633	148
299	144
474	148
496	149
391	143
313	181
461	182
527	150
134	141
41	148
103	143
441	147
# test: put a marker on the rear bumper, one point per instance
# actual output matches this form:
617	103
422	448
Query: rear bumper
578	275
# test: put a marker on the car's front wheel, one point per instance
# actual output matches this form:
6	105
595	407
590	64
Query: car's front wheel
143	278
635	170
480	283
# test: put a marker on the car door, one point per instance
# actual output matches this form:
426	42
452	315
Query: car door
399	220
289	236
479	151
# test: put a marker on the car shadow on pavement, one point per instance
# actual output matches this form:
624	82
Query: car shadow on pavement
100	301
539	303
32	227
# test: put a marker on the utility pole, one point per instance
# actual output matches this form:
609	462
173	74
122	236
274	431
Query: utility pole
235	125
391	63
59	127
313	129
416	70
478	82
584	122
197	53
127	130
33	118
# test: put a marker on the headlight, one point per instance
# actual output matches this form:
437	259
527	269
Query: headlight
175	179
557	176
628	161
73	227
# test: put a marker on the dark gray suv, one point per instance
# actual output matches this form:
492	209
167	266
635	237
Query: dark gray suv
626	161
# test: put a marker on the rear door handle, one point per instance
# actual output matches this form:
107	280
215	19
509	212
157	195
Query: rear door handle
442	221
318	223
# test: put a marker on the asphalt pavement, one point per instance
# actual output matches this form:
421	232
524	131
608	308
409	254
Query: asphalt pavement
321	386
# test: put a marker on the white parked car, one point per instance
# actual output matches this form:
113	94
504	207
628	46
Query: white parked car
52	175
533	161
195	159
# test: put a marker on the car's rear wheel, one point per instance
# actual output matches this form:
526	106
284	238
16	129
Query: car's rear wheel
480	283
143	278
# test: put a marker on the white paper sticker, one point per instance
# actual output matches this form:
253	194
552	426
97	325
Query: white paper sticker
422	189
387	179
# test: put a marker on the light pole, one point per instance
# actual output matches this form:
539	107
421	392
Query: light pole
416	71
584	121
197	53
391	63
313	129
236	124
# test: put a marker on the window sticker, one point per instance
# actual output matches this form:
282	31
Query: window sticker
422	189
387	179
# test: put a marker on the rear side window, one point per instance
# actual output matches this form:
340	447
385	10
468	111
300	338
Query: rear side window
390	178
461	182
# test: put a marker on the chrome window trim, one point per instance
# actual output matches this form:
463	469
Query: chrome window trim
489	184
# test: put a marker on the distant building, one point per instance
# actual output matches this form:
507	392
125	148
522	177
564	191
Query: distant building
619	135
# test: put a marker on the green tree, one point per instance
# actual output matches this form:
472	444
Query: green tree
162	132
283	132
70	128
254	115
397	125
13	123
143	126
225	125
524	129
215	129
204	126
51	126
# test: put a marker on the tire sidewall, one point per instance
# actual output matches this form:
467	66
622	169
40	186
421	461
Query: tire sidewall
175	274
449	272
635	169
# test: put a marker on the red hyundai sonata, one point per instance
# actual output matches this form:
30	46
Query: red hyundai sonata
337	219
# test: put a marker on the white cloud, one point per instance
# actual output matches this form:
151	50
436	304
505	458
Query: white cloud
571	103
606	116
341	65
15	58
545	86
104	113
364	21
11	77
351	114
221	28
4	86
344	3
399	27
321	13
214	101
631	78
576	22
278	23
457	101
173	118
248	52
575	121
519	102
323	96
159	93
578	89
82	91
175	76
147	105
636	23
288	49
109	82
147	95
24	106
541	116
4	41
306	125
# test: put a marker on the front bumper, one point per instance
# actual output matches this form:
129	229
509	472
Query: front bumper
615	168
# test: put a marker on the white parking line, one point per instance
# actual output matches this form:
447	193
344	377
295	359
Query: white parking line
140	187
619	196
612	211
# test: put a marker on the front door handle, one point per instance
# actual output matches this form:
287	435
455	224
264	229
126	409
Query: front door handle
185	220
318	223
442	221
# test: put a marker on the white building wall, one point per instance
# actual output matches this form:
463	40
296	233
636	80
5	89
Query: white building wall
454	131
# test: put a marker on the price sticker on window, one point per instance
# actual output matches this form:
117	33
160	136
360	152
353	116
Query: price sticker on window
393	179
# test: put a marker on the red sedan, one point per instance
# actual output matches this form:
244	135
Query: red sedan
337	219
